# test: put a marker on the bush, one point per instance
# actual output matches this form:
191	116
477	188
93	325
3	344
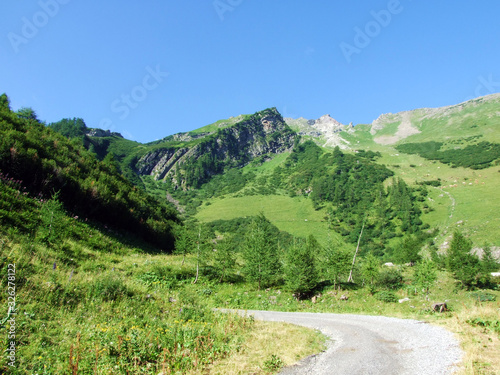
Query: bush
274	363
493	325
482	297
386	296
390	279
110	288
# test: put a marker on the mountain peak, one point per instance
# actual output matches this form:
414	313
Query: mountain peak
326	122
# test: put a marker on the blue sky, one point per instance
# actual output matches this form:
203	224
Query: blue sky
153	68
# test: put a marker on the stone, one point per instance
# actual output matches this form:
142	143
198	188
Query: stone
343	297
440	307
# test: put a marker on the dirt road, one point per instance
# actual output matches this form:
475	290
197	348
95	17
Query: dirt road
362	344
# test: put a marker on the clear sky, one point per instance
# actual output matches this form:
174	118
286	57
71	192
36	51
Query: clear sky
148	69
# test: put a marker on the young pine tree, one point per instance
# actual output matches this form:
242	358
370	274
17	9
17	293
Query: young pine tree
184	241
489	263
203	246
52	228
300	271
407	251
370	269
464	265
223	258
425	275
336	263
260	252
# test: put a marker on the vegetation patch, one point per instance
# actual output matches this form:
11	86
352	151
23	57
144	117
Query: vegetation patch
474	156
482	296
386	296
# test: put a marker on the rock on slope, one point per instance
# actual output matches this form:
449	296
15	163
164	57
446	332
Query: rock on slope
325	130
204	155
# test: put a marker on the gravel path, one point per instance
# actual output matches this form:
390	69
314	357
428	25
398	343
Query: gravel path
362	344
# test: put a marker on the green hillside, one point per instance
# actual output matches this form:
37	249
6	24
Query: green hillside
45	164
293	215
265	220
465	169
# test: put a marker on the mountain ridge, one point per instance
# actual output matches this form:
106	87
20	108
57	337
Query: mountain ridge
232	146
241	146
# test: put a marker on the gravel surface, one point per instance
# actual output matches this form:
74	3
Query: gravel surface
362	344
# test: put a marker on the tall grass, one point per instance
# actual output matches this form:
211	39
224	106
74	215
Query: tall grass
94	314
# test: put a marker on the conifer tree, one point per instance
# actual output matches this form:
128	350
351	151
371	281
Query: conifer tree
488	262
203	245
4	102
260	252
407	251
300	271
464	265
223	258
336	263
424	275
184	241
370	270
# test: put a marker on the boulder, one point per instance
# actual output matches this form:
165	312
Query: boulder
439	307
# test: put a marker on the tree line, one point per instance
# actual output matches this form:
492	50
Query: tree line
265	257
46	163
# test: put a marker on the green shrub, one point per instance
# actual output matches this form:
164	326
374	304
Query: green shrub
274	363
390	279
493	325
386	296
483	296
110	288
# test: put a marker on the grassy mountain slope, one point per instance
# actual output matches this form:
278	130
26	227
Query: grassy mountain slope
88	300
91	299
293	215
469	196
46	164
466	199
87	292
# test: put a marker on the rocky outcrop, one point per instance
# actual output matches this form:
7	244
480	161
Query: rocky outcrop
325	131
262	133
102	133
159	162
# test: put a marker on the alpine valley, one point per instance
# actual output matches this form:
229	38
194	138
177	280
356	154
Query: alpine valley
117	255
427	170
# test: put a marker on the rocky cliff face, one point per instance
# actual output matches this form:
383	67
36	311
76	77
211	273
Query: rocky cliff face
262	133
95	132
325	130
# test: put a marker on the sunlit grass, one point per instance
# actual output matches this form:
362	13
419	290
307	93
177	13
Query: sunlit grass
293	215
